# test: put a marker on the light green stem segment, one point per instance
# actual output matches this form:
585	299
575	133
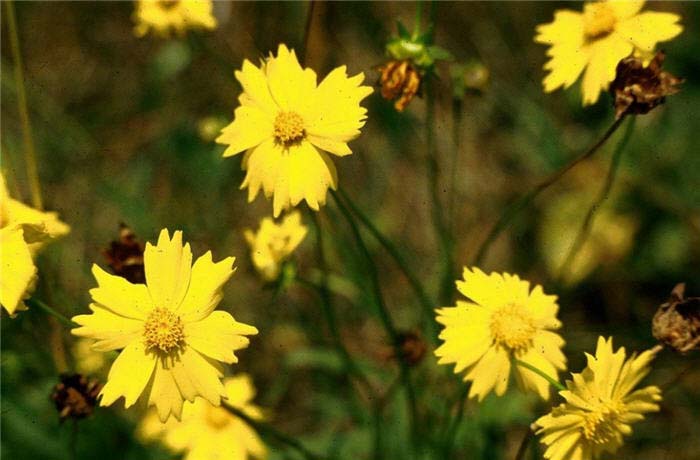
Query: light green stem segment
555	383
36	303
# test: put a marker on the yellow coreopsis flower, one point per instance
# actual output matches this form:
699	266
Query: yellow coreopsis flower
601	404
208	432
171	338
165	15
273	243
592	42
23	232
502	321
287	124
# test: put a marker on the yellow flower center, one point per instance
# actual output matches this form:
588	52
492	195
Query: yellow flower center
216	417
289	128
163	330
600	425
513	327
598	20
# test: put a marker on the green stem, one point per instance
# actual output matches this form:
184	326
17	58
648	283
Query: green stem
270	432
29	150
454	425
384	316
307	31
552	381
427	305
36	303
521	203
587	224
524	444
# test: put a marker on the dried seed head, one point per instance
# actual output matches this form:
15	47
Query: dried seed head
677	322
412	347
75	396
125	256
638	89
400	82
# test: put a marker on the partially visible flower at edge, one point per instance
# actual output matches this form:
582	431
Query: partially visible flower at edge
23	232
502	321
172	341
286	123
208	432
273	243
601	404
592	42
164	16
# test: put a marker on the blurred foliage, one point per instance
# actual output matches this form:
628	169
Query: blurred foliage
123	128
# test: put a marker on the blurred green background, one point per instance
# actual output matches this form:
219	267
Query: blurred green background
123	128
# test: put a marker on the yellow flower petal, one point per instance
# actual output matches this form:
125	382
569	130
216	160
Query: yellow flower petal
168	266
128	375
218	336
205	287
626	8
250	128
256	92
291	86
490	373
604	57
110	330
164	394
180	15
18	270
648	29
120	296
196	376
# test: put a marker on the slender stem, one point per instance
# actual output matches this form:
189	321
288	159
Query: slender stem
555	383
36	303
29	150
524	444
307	30
272	433
596	205
427	305
442	232
418	19
526	199
454	425
384	315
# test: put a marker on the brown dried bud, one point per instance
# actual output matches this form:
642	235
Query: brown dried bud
125	257
412	346
400	82
638	89
75	396
677	322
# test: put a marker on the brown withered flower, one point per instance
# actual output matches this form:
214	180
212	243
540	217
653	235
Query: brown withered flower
400	82
125	256
677	322
75	396
412	346
638	89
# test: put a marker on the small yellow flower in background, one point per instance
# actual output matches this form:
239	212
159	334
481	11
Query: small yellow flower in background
286	123
503	321
179	15
87	361
601	404
207	432
594	41
273	243
23	232
171	338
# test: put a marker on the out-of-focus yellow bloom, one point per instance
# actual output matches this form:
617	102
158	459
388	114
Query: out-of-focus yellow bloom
23	232
609	239
163	16
503	321
600	406
207	432
87	360
273	243
592	42
286	123
171	338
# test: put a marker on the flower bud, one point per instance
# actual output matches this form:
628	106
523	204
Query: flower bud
677	322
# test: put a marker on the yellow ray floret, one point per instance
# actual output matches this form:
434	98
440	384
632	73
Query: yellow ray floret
273	243
592	42
207	432
601	404
502	321
23	232
165	16
287	124
170	337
